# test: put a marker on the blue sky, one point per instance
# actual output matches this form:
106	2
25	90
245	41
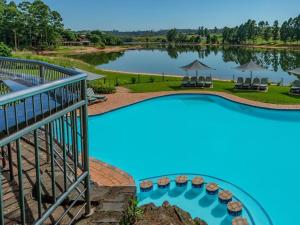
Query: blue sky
128	15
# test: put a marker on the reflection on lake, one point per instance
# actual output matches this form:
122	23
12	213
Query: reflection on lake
223	59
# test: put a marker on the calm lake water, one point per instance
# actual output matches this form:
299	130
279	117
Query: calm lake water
222	59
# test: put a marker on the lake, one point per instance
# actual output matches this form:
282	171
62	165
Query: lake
168	60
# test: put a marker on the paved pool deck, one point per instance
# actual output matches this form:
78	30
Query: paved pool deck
123	98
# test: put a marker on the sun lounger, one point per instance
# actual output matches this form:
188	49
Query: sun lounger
263	84
247	83
295	89
201	81
92	97
208	82
256	83
186	81
193	82
239	82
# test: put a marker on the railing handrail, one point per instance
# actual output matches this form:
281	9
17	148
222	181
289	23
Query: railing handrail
31	91
48	96
67	71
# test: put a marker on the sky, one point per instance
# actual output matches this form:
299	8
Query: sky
129	15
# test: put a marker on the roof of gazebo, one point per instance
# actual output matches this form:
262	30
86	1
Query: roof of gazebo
250	66
196	65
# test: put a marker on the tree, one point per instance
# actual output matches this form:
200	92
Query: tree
261	27
4	50
69	35
182	38
275	30
252	29
296	28
208	39
11	24
172	35
267	32
205	32
214	39
284	31
200	31
215	30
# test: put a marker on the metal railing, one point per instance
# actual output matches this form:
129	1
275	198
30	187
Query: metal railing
44	127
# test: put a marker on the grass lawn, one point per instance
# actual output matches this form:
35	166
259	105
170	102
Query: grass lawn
146	83
275	94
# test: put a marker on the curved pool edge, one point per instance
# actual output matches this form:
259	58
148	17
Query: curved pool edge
122	100
222	181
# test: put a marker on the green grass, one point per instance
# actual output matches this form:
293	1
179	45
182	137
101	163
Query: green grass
275	94
146	83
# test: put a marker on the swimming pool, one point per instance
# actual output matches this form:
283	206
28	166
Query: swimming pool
253	148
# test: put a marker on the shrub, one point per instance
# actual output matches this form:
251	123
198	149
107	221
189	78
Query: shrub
4	50
151	79
132	214
133	80
100	45
102	88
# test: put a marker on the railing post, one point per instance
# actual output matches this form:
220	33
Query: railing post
42	74
1	200
85	150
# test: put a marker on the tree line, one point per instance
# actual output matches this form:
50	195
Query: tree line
173	36
251	31
34	25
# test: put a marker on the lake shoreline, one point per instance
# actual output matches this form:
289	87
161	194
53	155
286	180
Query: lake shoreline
141	45
263	46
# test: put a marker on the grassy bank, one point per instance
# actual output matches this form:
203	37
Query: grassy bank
146	83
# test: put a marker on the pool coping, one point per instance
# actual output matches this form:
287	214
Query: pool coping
121	100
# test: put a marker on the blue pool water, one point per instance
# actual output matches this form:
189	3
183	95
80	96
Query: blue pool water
255	149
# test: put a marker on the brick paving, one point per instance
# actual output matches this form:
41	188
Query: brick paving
123	98
109	176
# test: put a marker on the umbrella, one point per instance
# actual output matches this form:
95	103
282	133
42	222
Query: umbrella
250	66
196	65
295	71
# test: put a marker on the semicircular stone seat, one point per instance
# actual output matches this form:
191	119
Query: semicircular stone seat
234	208
225	197
212	188
239	221
197	182
163	182
146	186
181	181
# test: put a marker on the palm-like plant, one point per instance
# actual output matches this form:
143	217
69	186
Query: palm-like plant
132	214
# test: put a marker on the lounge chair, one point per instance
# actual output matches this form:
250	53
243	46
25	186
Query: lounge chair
185	81
264	84
256	83
193	82
239	82
92	97
201	81
247	83
295	89
208	82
